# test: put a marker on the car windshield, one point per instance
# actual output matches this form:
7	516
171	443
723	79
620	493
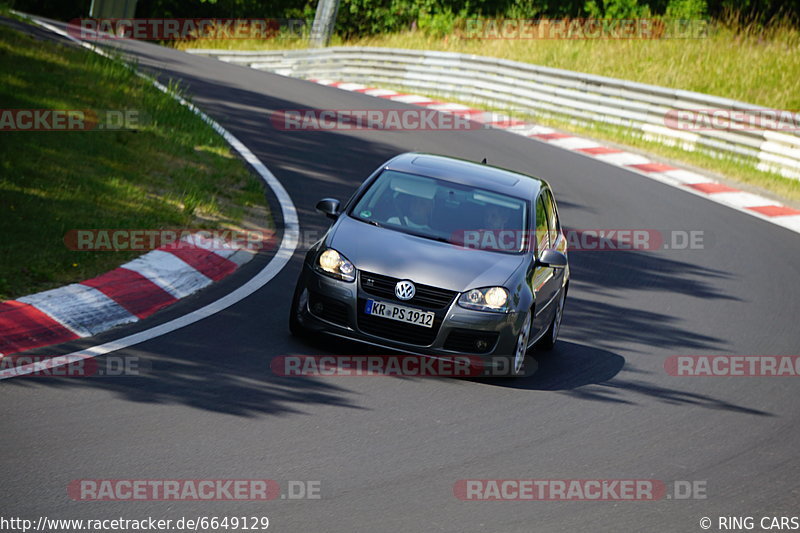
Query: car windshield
445	211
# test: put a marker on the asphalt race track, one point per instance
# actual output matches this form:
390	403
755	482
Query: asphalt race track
388	451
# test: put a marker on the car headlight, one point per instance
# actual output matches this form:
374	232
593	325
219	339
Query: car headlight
486	299
336	265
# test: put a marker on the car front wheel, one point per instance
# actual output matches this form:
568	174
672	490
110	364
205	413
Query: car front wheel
521	347
296	327
549	339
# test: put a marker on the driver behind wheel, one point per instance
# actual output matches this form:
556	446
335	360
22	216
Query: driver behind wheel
416	215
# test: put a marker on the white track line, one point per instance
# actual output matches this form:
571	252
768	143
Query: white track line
574	143
623	158
380	92
790	222
411	99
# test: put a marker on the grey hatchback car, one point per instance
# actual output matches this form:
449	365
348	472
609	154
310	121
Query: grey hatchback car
440	257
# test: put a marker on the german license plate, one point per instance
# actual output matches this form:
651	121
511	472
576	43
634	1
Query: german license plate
409	315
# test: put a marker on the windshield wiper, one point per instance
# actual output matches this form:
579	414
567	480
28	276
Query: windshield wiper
431	237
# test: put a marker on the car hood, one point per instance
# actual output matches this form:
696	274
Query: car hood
428	262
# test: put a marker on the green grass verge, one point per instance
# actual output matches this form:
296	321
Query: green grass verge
173	171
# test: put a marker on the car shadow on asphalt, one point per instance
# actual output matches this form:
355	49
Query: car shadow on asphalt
591	373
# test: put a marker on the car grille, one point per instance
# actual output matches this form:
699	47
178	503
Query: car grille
395	330
426	296
466	340
328	309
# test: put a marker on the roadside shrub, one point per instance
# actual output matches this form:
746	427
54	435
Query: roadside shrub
686	9
616	9
370	17
439	24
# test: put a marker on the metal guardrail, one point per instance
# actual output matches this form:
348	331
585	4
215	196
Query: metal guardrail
536	90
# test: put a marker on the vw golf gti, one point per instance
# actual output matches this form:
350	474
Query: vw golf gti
439	256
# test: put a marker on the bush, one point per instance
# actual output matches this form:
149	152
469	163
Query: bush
58	9
370	17
438	24
686	9
616	9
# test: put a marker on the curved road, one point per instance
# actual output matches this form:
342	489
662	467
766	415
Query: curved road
388	451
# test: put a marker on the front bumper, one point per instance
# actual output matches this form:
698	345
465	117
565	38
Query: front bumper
336	307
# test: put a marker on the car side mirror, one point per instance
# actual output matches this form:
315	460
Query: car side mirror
552	258
329	207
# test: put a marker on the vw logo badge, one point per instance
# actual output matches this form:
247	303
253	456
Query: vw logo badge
405	290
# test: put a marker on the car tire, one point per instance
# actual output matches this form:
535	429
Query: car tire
517	364
296	328
549	340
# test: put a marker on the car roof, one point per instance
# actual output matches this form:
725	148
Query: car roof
467	173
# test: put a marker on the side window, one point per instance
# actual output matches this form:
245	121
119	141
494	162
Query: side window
552	217
542	241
